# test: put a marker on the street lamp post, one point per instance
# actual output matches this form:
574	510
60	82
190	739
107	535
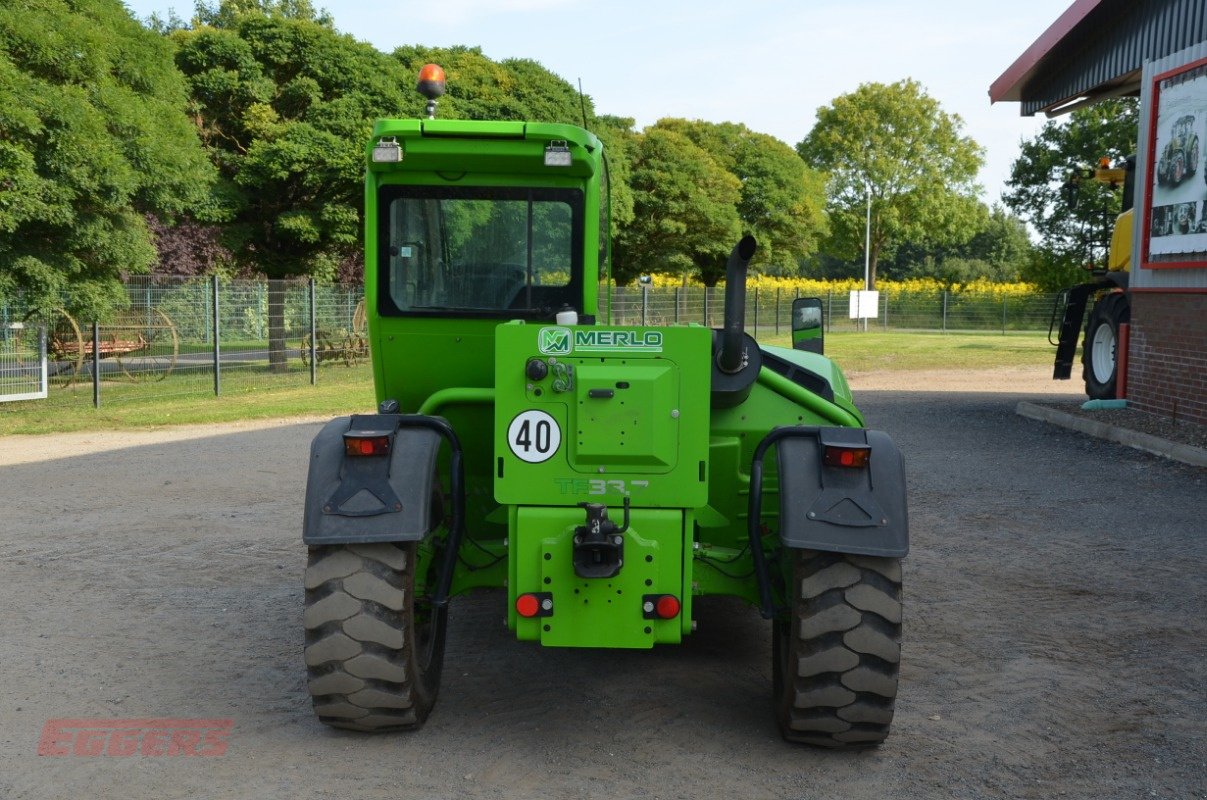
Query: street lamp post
867	250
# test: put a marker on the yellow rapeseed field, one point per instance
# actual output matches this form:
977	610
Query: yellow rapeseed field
913	286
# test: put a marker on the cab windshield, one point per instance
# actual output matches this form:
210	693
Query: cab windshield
486	251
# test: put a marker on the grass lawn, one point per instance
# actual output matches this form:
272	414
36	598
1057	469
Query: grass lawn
896	351
253	393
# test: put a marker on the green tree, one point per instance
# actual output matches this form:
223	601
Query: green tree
1054	169
1000	250
620	147
285	105
93	136
895	142
685	211
479	88
782	200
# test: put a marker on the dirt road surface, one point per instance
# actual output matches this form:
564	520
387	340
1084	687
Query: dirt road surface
1055	632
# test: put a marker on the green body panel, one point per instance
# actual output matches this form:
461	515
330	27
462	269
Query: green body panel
414	357
602	612
820	365
647	439
631	405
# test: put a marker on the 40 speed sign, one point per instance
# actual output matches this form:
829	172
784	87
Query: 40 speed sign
534	436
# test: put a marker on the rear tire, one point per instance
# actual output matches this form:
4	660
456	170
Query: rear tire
837	654
1100	351
373	650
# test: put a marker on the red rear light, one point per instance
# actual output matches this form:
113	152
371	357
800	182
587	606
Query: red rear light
527	605
667	606
850	457
376	445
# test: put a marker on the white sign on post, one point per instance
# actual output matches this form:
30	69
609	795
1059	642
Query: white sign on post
864	305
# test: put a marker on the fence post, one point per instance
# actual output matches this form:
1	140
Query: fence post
314	361
829	309
645	302
944	311
777	311
756	312
677	305
1003	316
217	340
96	364
886	312
705	306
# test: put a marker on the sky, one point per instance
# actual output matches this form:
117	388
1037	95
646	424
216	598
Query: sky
767	63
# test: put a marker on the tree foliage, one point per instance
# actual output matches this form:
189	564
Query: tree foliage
479	88
896	142
285	104
93	135
1060	156
782	200
1000	250
620	147
685	211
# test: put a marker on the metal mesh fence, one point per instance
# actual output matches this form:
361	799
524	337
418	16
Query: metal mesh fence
191	336
197	336
769	312
23	365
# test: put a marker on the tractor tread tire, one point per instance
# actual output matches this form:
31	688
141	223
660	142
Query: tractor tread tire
838	654
1111	310
365	672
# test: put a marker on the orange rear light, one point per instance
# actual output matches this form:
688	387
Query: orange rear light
849	457
376	445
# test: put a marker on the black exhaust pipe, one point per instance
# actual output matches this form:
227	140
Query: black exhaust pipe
732	356
737	358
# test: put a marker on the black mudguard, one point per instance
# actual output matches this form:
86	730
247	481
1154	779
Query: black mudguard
358	499
842	509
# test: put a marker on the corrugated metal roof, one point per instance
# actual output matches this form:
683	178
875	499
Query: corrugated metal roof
1097	48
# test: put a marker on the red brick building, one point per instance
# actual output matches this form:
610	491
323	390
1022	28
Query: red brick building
1157	50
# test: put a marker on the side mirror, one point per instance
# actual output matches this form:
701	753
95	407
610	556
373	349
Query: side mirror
808	331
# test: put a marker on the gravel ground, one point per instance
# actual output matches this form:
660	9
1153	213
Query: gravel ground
1054	636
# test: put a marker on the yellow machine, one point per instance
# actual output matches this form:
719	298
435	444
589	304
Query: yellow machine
1106	296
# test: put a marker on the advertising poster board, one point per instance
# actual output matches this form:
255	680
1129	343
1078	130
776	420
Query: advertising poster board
1175	230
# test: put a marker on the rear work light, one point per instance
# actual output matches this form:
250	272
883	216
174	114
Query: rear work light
850	457
376	444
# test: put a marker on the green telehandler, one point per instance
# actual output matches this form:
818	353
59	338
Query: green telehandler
605	476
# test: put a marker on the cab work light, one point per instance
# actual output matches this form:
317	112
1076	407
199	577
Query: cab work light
850	457
557	154
369	444
387	151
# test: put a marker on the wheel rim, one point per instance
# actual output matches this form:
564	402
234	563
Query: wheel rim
1103	353
156	359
